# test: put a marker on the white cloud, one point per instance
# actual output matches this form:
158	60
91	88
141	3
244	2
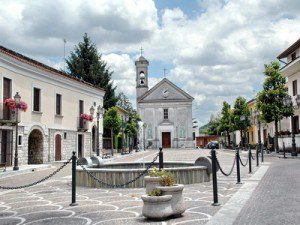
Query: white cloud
215	55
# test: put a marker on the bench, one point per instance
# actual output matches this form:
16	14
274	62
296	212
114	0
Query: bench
106	153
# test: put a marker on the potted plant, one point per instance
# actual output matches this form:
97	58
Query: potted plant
157	206
11	104
85	118
175	190
153	179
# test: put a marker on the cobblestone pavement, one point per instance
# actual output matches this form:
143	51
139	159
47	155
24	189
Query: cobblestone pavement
276	199
48	202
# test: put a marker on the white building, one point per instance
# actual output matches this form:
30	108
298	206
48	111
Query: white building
165	108
51	127
292	71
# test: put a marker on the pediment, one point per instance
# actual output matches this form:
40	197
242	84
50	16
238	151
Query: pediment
165	90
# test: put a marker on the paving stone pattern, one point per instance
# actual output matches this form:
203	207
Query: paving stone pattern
48	202
276	200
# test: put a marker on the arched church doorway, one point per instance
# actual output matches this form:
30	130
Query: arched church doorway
94	139
57	147
35	147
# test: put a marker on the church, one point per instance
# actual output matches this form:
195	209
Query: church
165	109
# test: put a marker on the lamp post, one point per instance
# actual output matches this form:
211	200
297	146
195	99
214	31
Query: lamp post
99	112
256	116
243	118
17	98
123	126
288	102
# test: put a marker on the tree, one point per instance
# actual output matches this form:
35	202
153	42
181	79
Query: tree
132	127
211	127
241	108
85	63
270	99
124	102
225	122
113	122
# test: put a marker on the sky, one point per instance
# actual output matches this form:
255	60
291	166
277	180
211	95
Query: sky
215	50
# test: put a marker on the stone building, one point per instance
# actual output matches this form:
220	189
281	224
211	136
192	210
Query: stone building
165	109
51	127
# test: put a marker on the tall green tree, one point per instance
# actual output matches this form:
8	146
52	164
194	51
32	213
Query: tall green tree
225	122
270	99
241	108
85	63
112	121
124	102
132	127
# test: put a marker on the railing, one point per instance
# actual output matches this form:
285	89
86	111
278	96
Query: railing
82	124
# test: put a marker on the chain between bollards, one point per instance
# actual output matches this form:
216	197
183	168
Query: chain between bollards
214	175
238	172
74	159
161	158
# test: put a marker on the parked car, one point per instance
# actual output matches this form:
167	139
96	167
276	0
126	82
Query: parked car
213	143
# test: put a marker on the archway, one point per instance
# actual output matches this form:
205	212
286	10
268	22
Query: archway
57	147
35	147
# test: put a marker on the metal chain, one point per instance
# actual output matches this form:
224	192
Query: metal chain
244	165
119	185
222	171
39	181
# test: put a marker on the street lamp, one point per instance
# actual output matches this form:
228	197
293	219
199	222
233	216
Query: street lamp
100	112
123	127
256	115
17	98
288	102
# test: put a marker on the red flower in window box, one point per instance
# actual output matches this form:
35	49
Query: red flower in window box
86	117
12	105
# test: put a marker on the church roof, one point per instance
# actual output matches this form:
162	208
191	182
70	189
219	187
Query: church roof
186	96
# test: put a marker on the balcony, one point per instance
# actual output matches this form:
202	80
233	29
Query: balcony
9	118
82	124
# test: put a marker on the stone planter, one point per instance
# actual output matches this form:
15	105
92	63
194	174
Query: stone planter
157	207
151	183
177	203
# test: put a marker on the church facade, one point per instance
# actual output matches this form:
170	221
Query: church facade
165	109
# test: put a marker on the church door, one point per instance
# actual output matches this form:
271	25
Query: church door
166	139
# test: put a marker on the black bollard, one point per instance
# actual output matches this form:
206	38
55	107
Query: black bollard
257	158
262	153
250	160
74	180
214	175
161	158
238	173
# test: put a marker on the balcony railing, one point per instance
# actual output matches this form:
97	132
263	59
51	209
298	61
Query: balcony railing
82	125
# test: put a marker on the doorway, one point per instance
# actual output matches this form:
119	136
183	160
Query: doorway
166	139
57	147
80	145
35	147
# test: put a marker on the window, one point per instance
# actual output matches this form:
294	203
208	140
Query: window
58	104
80	107
293	56
36	99
295	121
252	136
65	135
166	114
295	91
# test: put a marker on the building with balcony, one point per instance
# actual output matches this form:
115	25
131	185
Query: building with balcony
291	70
51	128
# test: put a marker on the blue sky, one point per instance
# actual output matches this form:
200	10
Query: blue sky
215	50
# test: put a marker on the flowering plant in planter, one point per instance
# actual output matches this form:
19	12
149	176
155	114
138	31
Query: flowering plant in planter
12	104
86	117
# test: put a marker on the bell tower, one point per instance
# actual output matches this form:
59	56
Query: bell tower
141	66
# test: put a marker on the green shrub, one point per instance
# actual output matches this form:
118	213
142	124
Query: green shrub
155	192
156	172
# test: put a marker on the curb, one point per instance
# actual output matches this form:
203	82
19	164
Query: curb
230	211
